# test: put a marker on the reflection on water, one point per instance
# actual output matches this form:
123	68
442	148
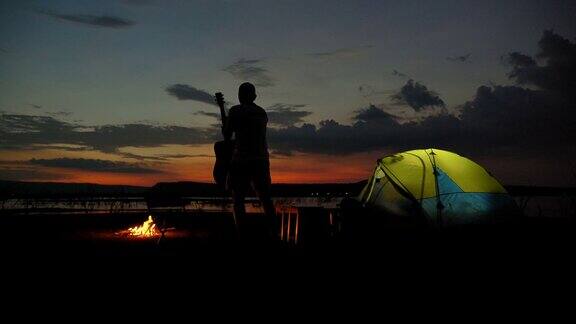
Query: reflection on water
137	204
535	206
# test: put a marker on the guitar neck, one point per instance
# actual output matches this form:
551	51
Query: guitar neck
222	114
220	102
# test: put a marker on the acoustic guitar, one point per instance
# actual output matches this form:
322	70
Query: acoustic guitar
222	149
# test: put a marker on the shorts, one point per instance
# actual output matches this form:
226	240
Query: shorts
247	173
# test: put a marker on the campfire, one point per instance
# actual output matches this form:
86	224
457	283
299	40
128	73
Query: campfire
147	229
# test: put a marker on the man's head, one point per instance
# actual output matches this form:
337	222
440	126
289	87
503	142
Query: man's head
246	93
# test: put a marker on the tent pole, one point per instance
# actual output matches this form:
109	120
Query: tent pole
439	205
372	182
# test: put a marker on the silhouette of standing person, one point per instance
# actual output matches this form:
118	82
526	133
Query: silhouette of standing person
250	163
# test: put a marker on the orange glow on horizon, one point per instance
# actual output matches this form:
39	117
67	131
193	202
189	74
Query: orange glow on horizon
198	163
314	168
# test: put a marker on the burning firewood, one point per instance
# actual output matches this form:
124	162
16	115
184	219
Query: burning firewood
147	229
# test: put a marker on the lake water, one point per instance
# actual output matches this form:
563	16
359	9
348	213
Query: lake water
544	206
107	205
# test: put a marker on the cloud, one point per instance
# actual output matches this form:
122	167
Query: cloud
140	157
519	117
246	70
519	60
24	173
68	148
373	129
208	114
182	156
60	113
278	154
22	124
417	96
286	115
279	114
499	118
27	132
499	121
558	74
399	74
368	91
186	92
459	58
109	138
372	113
94	165
92	20
343	53
160	158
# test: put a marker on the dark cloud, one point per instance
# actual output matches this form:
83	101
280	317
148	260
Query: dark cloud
558	74
503	121
160	158
279	114
246	70
208	114
186	92
500	118
59	147
278	154
417	96
140	157
25	132
399	74
459	58
519	60
182	156
285	115
343	53
23	173
520	121
22	124
60	113
372	113
94	165
92	20
109	138
372	129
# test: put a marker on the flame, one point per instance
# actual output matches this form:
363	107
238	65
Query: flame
148	229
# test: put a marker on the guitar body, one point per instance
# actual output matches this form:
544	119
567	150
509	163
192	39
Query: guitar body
223	151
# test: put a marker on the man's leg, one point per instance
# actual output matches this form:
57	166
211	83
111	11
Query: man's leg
238	183
267	203
262	185
239	207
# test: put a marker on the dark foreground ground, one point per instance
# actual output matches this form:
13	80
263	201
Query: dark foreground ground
203	236
49	256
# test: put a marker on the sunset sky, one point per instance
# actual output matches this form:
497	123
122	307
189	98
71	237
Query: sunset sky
119	92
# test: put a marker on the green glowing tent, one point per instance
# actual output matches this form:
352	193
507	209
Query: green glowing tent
444	187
